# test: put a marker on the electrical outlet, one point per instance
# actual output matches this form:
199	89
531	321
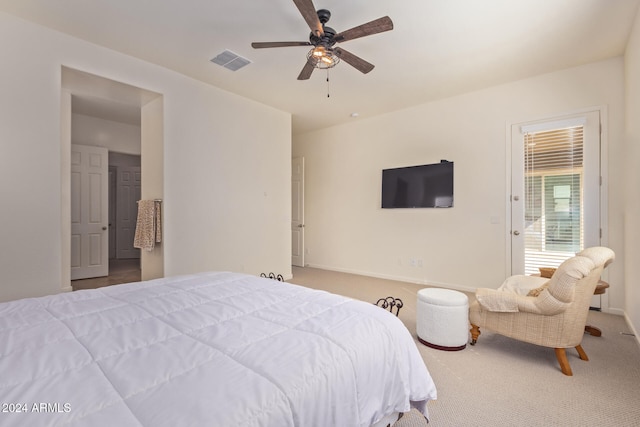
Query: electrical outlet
419	263
412	262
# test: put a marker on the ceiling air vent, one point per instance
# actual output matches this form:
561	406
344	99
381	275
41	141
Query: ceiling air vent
230	60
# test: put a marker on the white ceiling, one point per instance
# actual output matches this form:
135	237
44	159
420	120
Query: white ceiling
438	48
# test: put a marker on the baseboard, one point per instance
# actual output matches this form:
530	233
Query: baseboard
616	311
633	330
396	278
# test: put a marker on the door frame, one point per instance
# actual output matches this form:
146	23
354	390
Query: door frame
297	224
126	212
604	175
152	149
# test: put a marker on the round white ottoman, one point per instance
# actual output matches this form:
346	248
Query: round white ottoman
442	319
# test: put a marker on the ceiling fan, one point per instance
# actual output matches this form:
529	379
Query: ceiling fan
323	38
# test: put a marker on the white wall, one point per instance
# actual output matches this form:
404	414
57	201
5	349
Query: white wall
632	177
460	247
239	217
226	162
152	167
123	160
119	137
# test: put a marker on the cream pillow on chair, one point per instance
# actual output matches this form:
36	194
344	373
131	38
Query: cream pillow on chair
521	284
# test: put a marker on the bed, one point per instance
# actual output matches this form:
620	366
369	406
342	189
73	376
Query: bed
211	349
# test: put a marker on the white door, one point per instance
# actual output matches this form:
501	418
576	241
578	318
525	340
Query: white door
555	190
297	212
89	212
127	194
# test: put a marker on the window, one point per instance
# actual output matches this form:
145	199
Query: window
553	181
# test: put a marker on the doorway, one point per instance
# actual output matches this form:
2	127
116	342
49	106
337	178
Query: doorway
125	187
98	111
105	187
297	212
555	190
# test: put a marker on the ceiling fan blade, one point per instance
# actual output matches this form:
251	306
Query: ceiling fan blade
306	71
308	12
353	60
262	45
376	26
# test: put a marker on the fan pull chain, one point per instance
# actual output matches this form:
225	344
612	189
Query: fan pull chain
328	95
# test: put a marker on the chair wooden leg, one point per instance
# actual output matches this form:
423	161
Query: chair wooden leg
475	333
561	355
593	331
581	352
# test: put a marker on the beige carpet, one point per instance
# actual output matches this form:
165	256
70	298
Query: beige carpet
504	382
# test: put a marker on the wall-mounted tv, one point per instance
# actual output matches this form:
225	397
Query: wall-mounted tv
424	186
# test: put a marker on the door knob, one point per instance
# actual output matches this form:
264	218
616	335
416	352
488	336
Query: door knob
300	225
516	233
104	227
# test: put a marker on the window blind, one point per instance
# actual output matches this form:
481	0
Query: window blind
553	196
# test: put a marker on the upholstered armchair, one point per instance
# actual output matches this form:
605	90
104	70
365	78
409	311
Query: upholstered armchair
547	312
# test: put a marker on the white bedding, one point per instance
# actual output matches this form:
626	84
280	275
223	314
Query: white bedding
212	349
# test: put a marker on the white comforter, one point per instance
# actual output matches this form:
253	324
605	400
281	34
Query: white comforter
215	349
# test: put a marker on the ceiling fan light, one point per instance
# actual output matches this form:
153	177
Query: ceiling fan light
327	60
319	52
321	57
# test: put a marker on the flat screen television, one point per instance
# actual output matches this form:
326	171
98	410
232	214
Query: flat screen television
424	186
